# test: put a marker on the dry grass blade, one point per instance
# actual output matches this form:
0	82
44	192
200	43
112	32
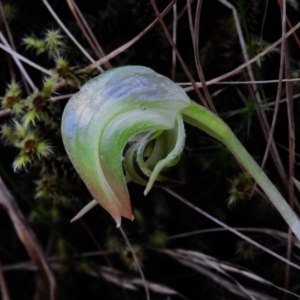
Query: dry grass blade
26	77
132	283
279	235
198	261
232	230
28	238
3	286
143	280
24	59
113	275
231	287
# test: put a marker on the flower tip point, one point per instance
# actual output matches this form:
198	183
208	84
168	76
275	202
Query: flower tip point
118	222
74	219
148	187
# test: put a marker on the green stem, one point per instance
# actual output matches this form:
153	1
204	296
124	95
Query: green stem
205	120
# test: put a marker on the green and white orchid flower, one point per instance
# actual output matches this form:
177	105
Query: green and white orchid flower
110	124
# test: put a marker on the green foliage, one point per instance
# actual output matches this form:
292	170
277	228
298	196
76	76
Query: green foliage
12	98
129	260
157	238
52	43
241	188
10	11
246	250
34	130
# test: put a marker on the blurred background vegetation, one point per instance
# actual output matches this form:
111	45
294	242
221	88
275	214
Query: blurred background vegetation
183	254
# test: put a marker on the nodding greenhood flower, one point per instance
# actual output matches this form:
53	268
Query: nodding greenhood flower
127	124
128	105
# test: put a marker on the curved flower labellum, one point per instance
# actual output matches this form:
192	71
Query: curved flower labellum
127	124
131	108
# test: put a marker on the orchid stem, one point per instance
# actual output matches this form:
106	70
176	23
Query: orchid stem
205	120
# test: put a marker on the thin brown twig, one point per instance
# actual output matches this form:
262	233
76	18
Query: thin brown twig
278	94
174	39
179	16
129	43
263	21
80	25
197	58
289	23
69	34
78	17
193	36
28	238
99	49
291	122
61	97
242	82
3	285
190	16
291	134
249	62
183	64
